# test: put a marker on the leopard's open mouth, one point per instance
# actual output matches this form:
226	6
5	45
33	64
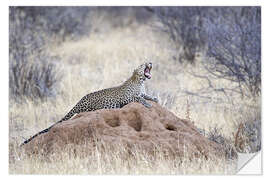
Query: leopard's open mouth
147	70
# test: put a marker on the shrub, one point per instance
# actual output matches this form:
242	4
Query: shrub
248	136
234	46
215	135
61	21
32	79
184	27
230	35
31	72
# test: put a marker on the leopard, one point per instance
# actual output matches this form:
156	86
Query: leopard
132	90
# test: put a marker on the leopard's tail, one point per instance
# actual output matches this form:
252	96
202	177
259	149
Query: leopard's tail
68	116
41	132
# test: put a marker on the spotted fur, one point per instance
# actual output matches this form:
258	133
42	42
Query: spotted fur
131	90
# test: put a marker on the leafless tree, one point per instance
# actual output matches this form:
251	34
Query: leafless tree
231	36
234	46
184	27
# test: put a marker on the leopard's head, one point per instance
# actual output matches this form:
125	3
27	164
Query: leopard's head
143	71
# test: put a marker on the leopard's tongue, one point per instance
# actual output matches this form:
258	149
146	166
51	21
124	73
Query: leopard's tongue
147	73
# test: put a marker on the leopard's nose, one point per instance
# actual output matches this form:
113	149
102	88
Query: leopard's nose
150	65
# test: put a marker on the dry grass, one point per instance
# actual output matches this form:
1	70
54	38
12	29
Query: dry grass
76	159
106	59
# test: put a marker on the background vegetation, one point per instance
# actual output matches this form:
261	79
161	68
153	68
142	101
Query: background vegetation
208	58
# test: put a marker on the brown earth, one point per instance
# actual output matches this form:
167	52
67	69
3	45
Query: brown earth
132	126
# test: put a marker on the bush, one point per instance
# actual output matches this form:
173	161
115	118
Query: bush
32	79
230	35
31	71
234	46
61	21
215	135
184	27
248	136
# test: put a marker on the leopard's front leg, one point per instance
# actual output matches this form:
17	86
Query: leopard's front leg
142	101
148	97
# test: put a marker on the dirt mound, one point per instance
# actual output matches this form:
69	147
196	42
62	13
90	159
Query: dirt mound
131	126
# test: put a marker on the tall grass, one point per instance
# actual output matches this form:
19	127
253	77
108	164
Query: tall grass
104	159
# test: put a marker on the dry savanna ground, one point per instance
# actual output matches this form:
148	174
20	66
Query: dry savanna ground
106	59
